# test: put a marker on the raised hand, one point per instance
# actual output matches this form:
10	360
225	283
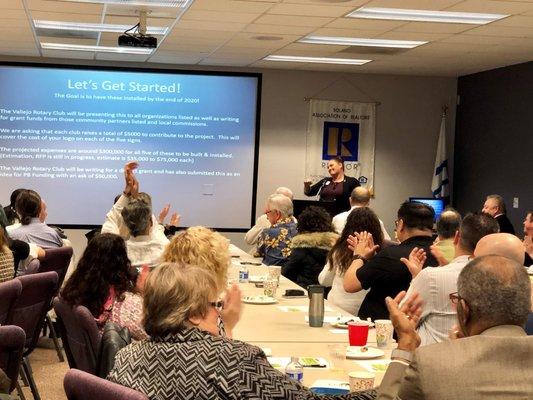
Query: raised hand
364	245
129	177
416	261
231	314
175	220
405	319
163	214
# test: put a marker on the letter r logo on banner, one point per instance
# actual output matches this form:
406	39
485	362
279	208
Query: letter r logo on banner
340	139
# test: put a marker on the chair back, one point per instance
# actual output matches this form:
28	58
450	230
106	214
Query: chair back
58	260
12	339
32	305
31	268
9	292
80	335
80	385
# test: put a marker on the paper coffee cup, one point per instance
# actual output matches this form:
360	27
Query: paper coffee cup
384	330
361	381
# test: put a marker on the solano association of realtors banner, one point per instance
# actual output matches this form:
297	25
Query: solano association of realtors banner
344	129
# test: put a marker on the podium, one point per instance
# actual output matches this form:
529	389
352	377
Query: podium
332	207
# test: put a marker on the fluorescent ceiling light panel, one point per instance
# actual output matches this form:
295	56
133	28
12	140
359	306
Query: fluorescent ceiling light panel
348	41
147	3
320	60
425	15
88	27
99	49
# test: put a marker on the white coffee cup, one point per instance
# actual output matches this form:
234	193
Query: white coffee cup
361	380
384	330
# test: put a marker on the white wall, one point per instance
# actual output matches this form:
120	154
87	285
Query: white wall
408	121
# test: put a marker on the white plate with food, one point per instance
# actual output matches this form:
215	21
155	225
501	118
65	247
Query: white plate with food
259	300
363	352
342	322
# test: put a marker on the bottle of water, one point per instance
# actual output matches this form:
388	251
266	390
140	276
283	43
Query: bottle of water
243	274
294	370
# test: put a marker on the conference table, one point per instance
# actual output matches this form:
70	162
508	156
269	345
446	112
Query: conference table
281	329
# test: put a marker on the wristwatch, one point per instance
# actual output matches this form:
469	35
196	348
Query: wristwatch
402	354
359	257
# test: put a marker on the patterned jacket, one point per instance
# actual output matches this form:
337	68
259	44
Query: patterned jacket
194	364
274	242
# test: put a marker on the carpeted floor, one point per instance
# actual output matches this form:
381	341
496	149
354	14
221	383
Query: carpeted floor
48	373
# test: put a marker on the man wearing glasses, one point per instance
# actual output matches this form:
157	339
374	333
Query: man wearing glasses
493	358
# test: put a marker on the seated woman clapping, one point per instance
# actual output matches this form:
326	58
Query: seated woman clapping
186	357
340	257
105	283
210	250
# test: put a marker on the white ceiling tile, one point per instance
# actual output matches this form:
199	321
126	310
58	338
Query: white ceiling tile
488	6
515	21
13	14
122	57
293	20
211	25
174	59
250	40
219	16
433	27
231	6
84	55
278	29
11	5
422	36
192	34
324	48
65	7
65	17
413	4
365	24
25	52
310	10
226	62
122	20
356	33
505	31
14	24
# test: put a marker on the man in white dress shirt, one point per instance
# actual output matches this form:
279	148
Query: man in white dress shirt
360	197
435	284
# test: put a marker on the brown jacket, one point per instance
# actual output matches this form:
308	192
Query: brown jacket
496	365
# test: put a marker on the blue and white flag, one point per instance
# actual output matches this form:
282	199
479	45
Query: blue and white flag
440	183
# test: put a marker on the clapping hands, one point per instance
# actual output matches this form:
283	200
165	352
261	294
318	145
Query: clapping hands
416	261
362	244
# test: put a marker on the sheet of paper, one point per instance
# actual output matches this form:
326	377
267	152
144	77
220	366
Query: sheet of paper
307	362
374	365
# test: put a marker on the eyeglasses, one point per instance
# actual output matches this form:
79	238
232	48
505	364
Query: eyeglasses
454	297
269	211
219	305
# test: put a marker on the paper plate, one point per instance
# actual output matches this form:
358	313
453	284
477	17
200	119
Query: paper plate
363	353
342	322
257	278
259	300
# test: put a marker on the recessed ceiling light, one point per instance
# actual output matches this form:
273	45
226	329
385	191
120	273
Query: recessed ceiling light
348	41
425	15
321	60
148	3
88	27
99	49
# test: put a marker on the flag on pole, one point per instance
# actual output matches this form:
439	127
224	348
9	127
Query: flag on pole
440	183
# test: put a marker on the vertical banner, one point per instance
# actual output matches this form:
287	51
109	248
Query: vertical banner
344	129
440	183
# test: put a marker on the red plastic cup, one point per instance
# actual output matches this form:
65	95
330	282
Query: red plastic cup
358	333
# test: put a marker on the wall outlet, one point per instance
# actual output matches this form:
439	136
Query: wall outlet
515	202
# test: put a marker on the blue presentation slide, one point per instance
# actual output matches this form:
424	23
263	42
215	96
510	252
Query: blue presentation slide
67	133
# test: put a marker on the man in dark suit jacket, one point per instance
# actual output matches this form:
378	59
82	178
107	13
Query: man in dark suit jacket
495	206
492	358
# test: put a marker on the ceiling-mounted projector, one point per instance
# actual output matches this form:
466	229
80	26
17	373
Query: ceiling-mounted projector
138	38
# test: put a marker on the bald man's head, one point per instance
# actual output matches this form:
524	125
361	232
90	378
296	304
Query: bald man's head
501	244
360	196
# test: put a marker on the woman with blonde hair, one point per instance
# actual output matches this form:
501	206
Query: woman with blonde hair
209	250
7	262
186	357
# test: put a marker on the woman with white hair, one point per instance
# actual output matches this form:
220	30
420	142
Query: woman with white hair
274	242
186	357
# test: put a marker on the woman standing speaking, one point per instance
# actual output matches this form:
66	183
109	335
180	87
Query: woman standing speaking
337	188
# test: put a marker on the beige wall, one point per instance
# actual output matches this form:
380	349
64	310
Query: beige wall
408	121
